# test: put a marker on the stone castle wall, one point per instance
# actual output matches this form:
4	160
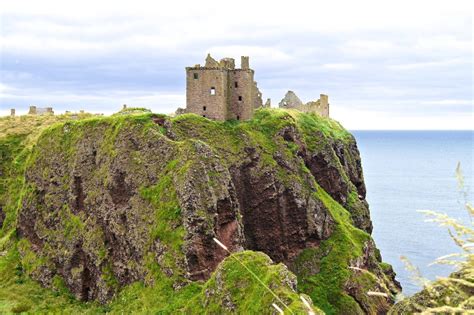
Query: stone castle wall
199	100
241	87
320	106
219	91
40	111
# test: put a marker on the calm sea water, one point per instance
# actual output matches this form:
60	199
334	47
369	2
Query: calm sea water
406	171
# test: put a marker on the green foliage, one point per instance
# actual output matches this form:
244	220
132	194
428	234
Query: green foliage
326	287
167	227
313	123
132	111
18	292
232	289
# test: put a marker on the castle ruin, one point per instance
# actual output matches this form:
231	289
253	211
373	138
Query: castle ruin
40	111
320	106
220	91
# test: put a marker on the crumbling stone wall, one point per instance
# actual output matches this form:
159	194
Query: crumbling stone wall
320	106
40	111
292	101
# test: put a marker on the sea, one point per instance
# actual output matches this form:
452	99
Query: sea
408	171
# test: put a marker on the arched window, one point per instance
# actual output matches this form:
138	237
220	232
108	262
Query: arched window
213	91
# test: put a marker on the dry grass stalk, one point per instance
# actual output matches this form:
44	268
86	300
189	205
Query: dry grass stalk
374	293
277	308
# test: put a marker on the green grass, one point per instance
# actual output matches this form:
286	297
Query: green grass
19	293
232	287
167	228
326	288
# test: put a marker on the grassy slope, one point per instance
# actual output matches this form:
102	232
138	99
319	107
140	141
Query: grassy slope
17	292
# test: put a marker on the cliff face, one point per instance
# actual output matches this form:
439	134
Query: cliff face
108	202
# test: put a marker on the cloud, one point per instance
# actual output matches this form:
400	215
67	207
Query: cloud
449	102
339	66
371	55
418	65
261	53
368	48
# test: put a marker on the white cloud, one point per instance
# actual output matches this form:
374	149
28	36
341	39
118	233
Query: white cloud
368	48
444	43
448	102
85	53
261	54
339	66
418	65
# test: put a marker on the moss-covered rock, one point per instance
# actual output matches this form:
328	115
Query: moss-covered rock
112	207
451	295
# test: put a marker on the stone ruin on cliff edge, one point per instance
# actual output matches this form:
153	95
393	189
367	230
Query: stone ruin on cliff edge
40	111
320	106
220	91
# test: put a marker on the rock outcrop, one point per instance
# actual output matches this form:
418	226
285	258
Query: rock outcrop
450	295
111	201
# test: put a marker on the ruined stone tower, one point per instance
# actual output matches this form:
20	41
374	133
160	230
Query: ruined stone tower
320	106
220	91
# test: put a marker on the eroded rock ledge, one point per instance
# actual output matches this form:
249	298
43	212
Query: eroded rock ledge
109	201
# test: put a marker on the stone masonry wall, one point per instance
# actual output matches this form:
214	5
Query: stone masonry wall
320	106
236	93
241	92
199	99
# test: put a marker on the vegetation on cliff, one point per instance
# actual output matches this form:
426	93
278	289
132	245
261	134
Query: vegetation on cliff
118	214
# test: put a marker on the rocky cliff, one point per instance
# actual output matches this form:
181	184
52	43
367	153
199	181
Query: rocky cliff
105	204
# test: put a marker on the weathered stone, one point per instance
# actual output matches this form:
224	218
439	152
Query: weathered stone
320	106
221	92
290	101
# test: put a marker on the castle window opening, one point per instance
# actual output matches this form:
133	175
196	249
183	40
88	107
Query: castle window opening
240	98
238	117
236	84
213	91
203	115
204	108
196	76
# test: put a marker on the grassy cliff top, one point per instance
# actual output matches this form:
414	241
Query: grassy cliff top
289	148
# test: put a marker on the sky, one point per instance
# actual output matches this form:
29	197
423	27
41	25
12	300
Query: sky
384	64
